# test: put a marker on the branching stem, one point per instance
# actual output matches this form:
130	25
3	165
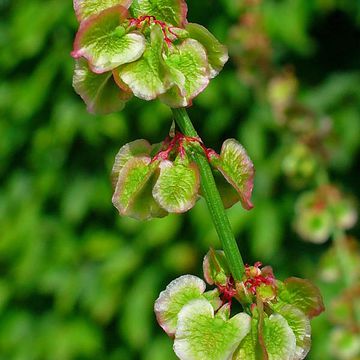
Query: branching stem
213	200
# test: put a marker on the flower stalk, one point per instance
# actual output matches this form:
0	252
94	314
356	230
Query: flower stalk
213	199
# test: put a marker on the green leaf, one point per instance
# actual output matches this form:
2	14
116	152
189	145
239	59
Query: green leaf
202	335
99	91
173	96
177	294
132	195
237	168
189	70
215	267
302	294
246	350
177	187
247	347
104	42
148	77
86	8
139	147
170	11
279	339
229	195
213	296
217	53
300	325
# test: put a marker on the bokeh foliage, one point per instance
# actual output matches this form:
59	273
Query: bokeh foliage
79	282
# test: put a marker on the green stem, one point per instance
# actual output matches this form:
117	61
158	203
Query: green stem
344	258
213	200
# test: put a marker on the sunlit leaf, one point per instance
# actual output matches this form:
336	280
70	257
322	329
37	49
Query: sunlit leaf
104	42
279	339
189	70
217	53
86	8
177	187
237	168
201	334
177	294
98	91
273	340
247	348
300	325
132	195
148	77
302	294
135	148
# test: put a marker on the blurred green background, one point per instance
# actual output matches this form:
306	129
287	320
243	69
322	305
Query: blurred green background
79	282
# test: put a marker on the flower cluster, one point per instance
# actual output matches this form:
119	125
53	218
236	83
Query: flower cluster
321	212
154	180
143	48
343	309
275	324
256	278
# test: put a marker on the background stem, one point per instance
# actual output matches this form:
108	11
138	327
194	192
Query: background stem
344	258
213	200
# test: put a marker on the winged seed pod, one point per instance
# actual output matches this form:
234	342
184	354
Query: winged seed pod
321	211
143	48
154	180
235	167
278	327
148	186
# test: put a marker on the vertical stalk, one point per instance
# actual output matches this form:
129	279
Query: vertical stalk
344	258
213	200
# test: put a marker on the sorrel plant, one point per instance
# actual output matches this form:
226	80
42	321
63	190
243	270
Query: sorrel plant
147	49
